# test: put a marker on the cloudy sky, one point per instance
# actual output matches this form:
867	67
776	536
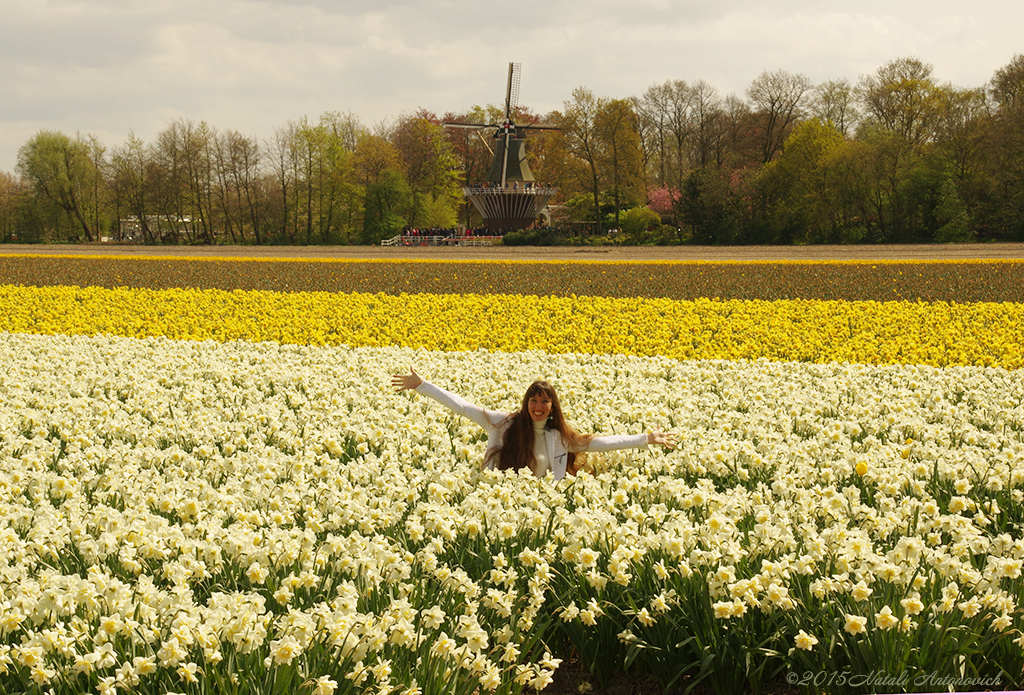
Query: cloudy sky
111	67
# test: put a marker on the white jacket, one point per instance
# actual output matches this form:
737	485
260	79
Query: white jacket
496	422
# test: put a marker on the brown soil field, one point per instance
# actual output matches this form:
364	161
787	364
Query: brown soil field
962	274
538	253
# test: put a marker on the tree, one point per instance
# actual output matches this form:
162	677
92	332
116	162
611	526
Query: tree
431	169
801	185
666	115
183	150
325	177
387	194
962	130
620	153
131	184
952	216
737	145
709	207
903	97
709	139
1007	84
834	102
240	200
284	154
637	222
63	171
903	106
579	138
13	195
1006	148
777	98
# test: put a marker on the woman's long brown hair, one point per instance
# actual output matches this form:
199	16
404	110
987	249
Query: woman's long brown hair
516	451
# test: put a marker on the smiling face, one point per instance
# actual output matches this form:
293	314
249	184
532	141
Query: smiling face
541	403
539	407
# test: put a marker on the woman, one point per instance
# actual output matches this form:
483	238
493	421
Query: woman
537	436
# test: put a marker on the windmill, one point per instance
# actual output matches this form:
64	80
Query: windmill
510	199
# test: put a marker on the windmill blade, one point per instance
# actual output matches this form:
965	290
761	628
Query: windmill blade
471	126
512	91
538	126
504	158
484	141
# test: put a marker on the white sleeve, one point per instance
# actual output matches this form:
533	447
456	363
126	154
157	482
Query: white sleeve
618	441
460	406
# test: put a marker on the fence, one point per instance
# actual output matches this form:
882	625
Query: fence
411	240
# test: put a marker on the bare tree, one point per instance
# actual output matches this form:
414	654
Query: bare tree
653	110
777	98
709	125
131	170
835	102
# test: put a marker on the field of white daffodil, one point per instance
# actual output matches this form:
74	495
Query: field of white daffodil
234	516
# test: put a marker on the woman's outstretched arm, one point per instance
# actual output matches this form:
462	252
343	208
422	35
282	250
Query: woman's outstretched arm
457	404
630	441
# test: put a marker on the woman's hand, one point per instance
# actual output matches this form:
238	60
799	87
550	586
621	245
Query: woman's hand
402	382
665	439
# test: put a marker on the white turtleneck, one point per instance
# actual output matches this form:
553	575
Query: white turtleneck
540	449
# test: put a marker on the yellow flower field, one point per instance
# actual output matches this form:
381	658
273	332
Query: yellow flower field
936	334
215	491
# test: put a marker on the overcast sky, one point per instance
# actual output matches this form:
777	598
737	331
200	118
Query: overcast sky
110	67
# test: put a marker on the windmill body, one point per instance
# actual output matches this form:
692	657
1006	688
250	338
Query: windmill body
510	198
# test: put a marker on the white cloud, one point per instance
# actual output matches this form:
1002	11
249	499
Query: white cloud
111	66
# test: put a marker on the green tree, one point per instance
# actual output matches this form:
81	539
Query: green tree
962	130
1006	149
64	172
801	185
579	140
326	181
952	216
387	194
638	222
709	207
431	168
621	155
903	106
904	98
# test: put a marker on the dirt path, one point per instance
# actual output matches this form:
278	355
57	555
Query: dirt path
644	253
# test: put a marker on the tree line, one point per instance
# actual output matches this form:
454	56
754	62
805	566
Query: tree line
896	157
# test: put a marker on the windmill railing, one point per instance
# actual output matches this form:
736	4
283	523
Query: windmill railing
511	187
447	240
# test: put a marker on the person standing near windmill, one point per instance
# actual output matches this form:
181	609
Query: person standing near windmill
536	436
